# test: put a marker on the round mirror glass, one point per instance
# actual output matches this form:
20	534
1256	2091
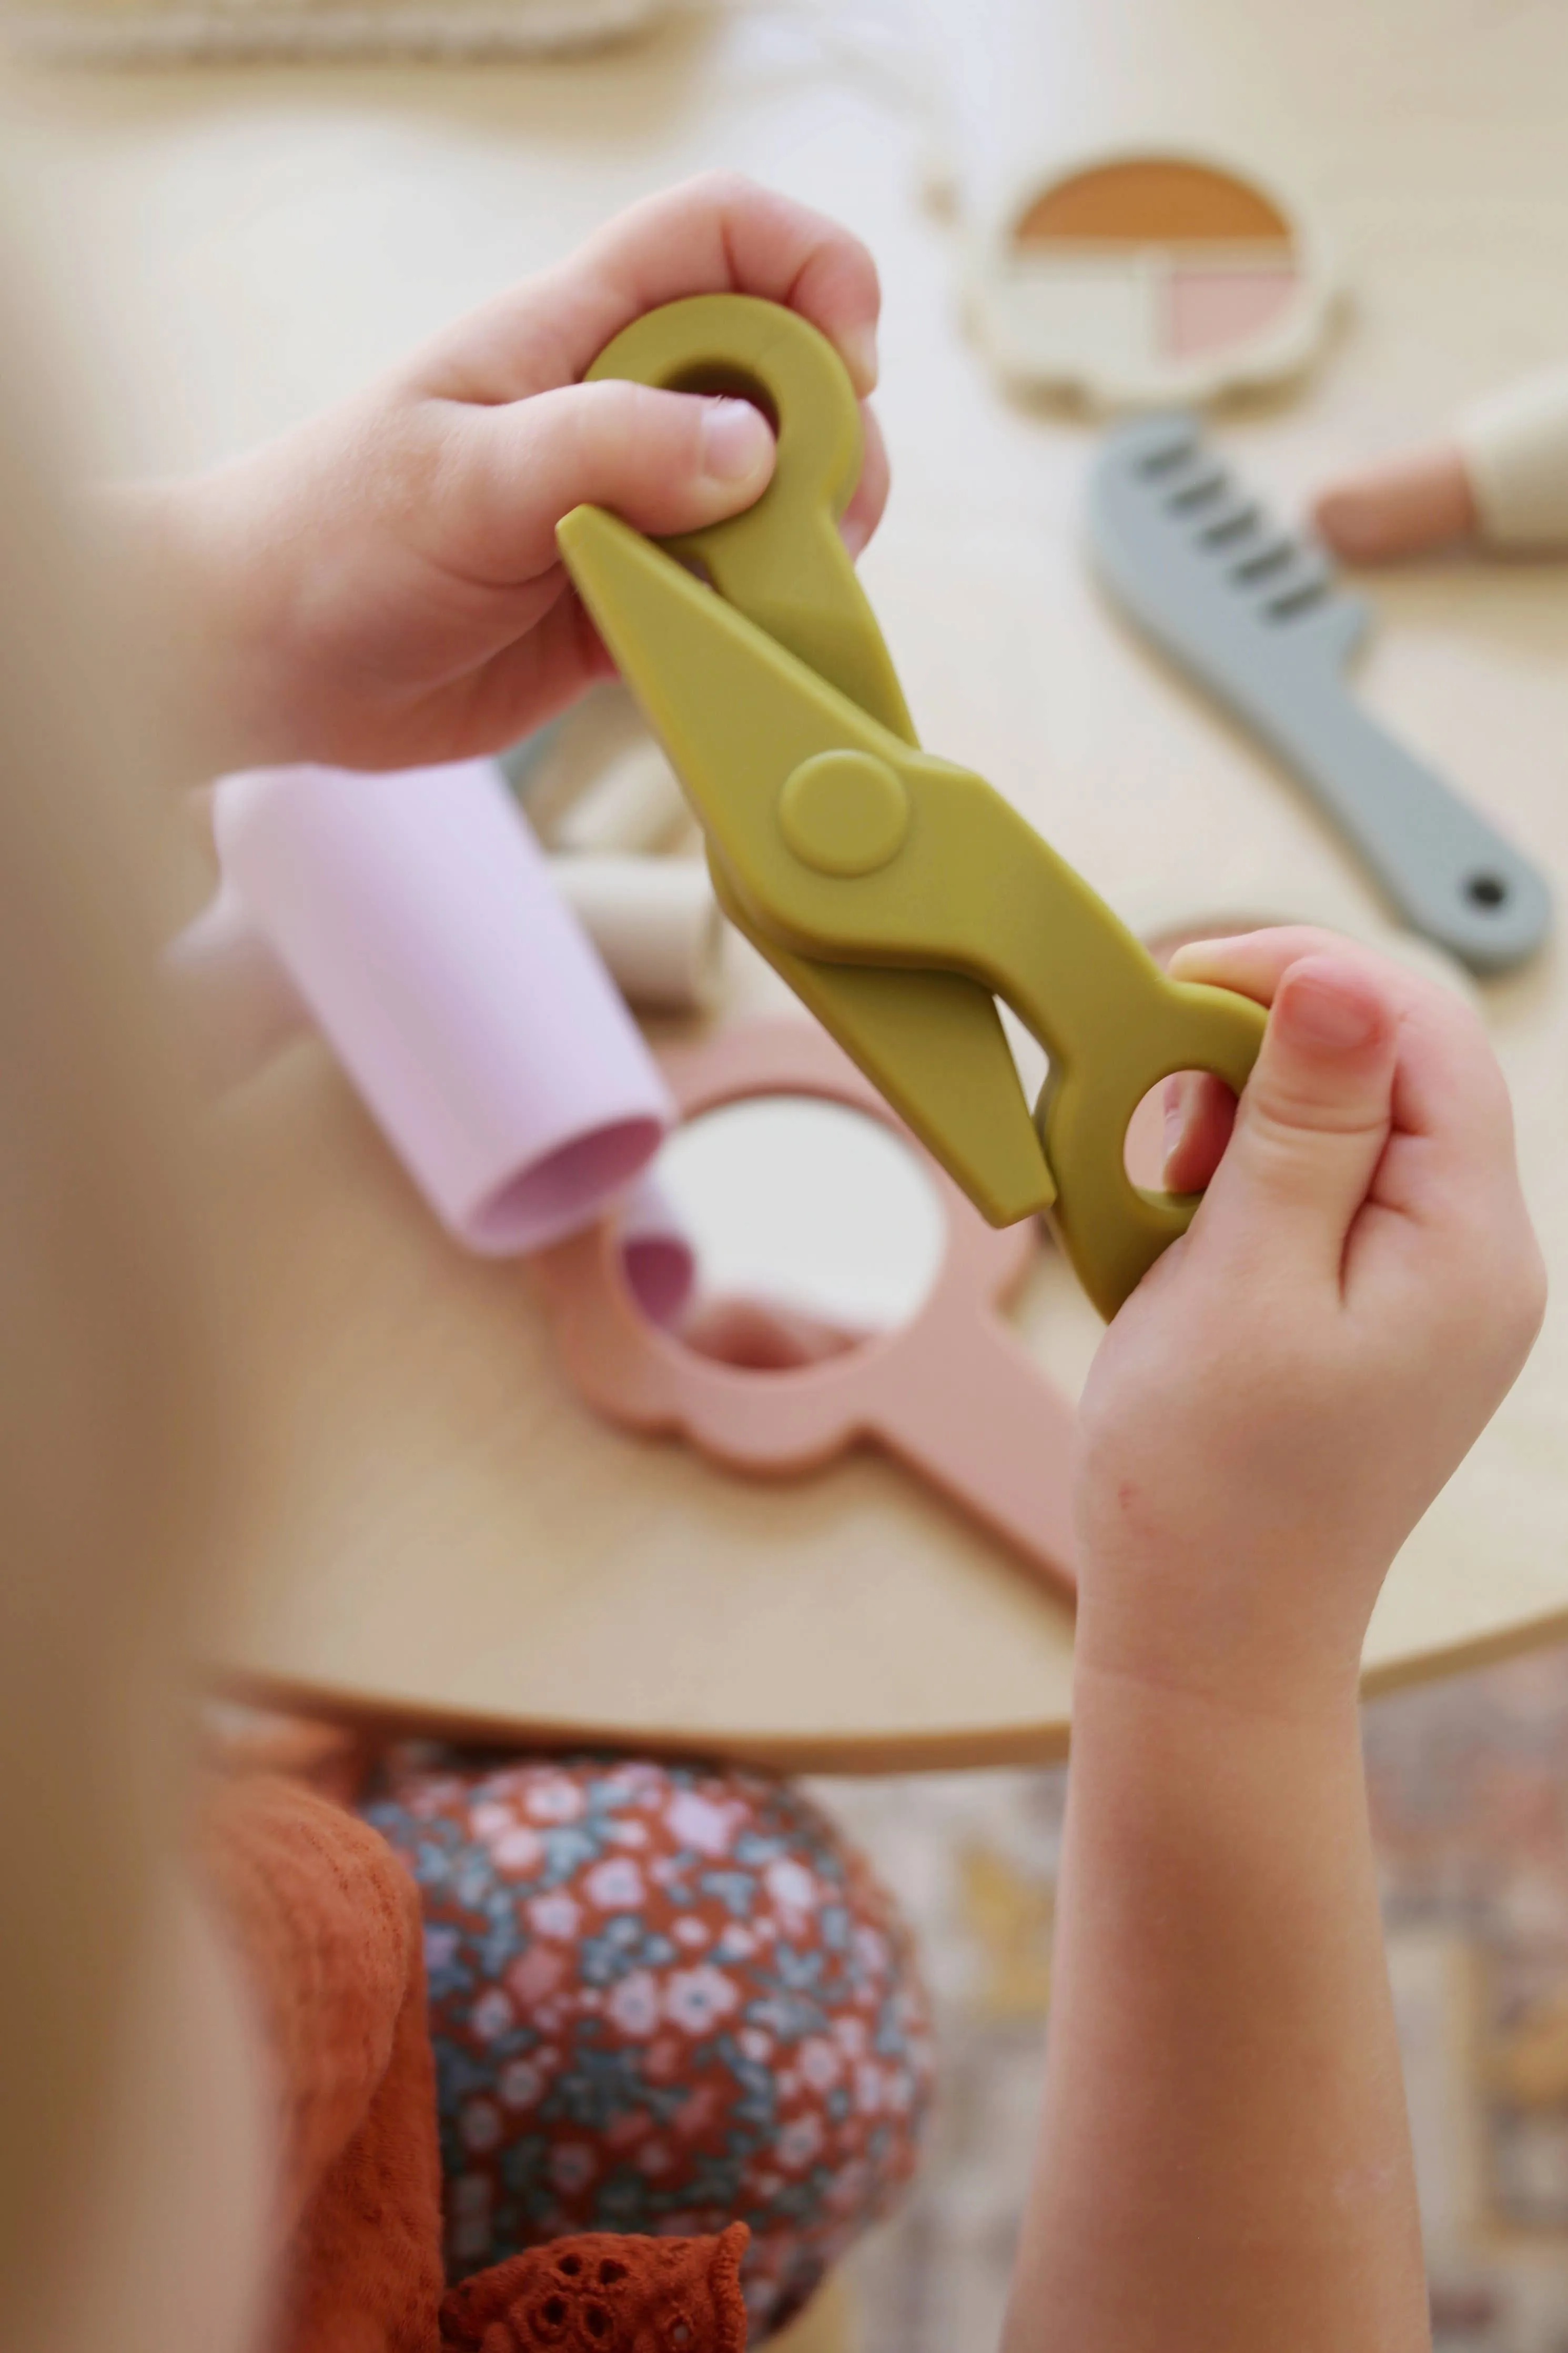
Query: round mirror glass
783	1231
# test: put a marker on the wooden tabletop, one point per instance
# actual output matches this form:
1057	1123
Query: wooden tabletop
441	1533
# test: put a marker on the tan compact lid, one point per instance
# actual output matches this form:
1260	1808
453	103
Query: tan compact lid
1155	200
1143	277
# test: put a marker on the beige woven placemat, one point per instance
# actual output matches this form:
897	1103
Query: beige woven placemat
165	32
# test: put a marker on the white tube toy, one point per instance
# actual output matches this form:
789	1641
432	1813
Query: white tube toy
655	923
634	803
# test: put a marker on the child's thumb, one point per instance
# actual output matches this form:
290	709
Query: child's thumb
666	461
1315	1116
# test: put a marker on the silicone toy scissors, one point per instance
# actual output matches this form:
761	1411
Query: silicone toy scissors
898	894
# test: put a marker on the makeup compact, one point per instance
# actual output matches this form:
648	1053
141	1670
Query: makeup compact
1143	277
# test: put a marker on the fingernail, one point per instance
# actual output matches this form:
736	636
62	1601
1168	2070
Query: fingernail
858	346
735	440
1196	951
1331	1014
1175	1106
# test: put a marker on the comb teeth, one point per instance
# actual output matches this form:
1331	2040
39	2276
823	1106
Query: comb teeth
1198	490
1166	451
1283	577
1175	488
1266	563
1234	524
1310	585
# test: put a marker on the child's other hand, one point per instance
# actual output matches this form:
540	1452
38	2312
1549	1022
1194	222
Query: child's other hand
381	587
1290	1386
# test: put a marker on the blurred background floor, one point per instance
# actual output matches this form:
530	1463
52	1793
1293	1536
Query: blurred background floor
1469	1793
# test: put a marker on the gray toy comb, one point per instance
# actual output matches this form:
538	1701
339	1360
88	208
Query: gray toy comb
1256	616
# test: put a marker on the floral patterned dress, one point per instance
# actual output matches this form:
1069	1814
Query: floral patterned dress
664	1999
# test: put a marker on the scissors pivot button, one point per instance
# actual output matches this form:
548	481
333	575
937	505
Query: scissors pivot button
844	813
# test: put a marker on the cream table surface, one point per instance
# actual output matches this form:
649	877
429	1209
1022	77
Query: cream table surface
444	1534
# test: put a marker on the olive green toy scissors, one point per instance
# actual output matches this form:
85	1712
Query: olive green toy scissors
898	896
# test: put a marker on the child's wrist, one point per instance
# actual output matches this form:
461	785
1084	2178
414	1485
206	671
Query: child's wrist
1124	1712
1220	1646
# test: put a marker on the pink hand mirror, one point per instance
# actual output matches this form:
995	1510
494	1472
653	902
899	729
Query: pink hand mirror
892	1338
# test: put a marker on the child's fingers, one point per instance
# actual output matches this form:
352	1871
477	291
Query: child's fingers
1200	1112
1314	1119
1398	508
1253	962
723	234
666	461
864	511
1448	1086
720	234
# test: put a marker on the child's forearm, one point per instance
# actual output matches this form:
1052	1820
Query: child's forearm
1225	2160
1224	2164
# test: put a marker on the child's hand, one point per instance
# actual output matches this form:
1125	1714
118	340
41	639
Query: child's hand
381	587
1293	1382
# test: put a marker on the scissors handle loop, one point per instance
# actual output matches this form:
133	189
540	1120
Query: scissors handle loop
782	563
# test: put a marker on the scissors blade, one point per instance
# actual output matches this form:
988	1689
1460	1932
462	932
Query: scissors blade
931	1043
736	714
